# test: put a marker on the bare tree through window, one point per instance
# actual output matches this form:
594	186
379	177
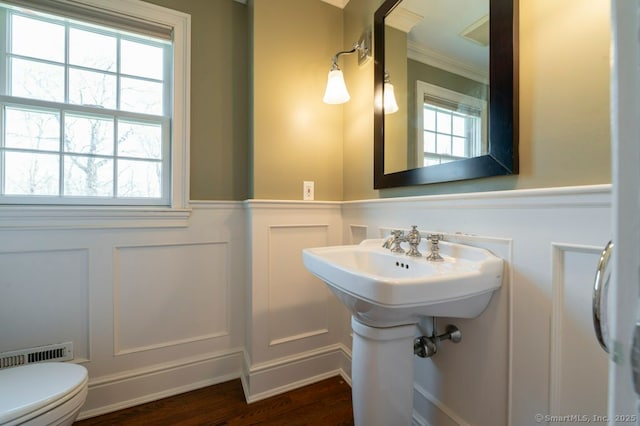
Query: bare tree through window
94	125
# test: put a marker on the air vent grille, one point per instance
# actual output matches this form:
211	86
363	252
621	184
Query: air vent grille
56	352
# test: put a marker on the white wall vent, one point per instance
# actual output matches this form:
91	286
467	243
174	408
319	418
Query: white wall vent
57	352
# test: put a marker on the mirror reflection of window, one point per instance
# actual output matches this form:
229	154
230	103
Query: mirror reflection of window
450	135
452	125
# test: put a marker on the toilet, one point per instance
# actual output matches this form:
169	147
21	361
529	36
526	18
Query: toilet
49	393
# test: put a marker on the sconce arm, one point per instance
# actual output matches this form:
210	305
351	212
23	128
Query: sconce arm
357	45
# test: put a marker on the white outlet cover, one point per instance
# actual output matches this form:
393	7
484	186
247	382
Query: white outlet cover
307	190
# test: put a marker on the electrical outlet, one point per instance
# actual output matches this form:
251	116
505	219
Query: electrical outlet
307	190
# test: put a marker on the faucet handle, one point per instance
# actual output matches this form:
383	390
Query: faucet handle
397	233
435	237
398	237
434	254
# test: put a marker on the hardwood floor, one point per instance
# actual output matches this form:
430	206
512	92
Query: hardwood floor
326	403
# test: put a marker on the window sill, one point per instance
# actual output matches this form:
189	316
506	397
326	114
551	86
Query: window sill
62	217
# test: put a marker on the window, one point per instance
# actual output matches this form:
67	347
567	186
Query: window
452	125
87	114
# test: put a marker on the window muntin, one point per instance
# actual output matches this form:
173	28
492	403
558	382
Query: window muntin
450	135
451	125
86	120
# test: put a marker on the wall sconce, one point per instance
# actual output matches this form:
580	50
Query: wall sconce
390	104
336	91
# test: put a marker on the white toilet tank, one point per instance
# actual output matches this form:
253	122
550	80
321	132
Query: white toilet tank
49	393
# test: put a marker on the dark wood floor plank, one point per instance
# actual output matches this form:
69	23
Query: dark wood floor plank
324	403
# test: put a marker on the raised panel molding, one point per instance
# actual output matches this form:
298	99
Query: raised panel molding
45	299
358	233
293	323
297	300
450	388
436	411
163	294
577	361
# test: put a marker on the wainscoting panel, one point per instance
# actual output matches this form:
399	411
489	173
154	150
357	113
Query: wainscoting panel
155	309
358	234
44	299
451	383
294	324
154	306
164	295
577	361
515	360
298	305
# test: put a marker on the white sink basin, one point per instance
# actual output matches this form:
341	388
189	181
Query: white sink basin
383	289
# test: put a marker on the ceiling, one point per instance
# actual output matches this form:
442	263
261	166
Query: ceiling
436	30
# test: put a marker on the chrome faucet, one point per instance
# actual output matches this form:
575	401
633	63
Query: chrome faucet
413	238
434	255
394	241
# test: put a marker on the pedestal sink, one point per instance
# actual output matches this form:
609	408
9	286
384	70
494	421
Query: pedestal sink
387	294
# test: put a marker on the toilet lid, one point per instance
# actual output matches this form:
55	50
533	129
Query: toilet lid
30	387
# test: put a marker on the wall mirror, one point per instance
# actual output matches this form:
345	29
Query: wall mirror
453	67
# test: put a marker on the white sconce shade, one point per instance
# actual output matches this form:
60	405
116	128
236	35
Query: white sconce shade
336	92
390	104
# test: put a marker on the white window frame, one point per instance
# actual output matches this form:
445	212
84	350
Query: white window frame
426	89
177	214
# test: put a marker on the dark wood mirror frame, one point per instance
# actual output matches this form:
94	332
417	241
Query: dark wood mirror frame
502	156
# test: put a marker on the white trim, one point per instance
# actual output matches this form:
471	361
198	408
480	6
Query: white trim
287	369
81	217
110	379
301	336
421	53
181	85
563	196
558	251
428	398
94	217
288	204
337	3
159	374
181	124
297	357
403	19
214	204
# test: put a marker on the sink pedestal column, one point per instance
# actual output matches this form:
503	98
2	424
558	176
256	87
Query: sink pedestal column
382	374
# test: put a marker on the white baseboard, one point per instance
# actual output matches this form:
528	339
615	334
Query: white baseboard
135	387
426	404
271	378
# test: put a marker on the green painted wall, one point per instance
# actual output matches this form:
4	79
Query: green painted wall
259	127
219	97
295	136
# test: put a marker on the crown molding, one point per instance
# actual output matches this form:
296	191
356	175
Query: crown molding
421	53
403	19
337	3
